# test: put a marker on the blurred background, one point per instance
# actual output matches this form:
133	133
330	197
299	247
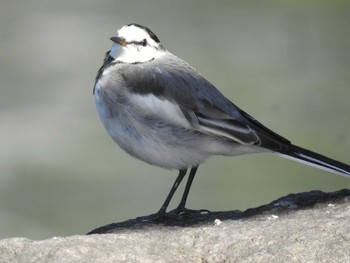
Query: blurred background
286	63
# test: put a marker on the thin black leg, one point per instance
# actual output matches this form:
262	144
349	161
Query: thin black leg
187	189
181	209
177	182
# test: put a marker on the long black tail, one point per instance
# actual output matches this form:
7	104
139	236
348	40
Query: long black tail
302	155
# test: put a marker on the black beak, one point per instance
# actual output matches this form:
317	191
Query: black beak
119	41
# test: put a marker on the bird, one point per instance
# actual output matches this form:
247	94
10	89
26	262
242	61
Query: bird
161	110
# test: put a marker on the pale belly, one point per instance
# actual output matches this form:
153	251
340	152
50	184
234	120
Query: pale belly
156	140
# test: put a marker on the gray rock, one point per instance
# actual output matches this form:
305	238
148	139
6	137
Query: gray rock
317	234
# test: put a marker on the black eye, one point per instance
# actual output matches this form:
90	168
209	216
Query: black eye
144	42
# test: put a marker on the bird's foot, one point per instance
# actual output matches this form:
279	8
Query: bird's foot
184	212
178	214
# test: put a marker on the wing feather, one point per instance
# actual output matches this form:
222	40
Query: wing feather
204	106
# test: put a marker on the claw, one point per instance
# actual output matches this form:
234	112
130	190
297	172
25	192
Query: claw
184	212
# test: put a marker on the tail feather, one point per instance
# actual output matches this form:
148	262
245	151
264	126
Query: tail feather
317	160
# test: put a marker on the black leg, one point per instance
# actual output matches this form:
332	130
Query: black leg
187	189
181	209
177	182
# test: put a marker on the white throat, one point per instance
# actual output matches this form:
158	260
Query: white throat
134	54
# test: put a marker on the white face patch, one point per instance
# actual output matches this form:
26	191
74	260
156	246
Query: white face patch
134	33
133	52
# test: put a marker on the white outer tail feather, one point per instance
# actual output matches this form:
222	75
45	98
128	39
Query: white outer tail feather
315	162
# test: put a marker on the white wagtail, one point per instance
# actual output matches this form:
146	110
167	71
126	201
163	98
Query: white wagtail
160	110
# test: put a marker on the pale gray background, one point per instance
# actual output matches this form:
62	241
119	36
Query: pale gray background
286	63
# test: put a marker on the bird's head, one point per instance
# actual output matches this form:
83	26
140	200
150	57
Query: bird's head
135	44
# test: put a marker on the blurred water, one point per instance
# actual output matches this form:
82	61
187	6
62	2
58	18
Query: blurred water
286	63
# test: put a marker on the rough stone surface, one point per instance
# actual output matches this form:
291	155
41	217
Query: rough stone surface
201	217
317	234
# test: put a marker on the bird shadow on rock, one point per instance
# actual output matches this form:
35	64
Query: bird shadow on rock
291	202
